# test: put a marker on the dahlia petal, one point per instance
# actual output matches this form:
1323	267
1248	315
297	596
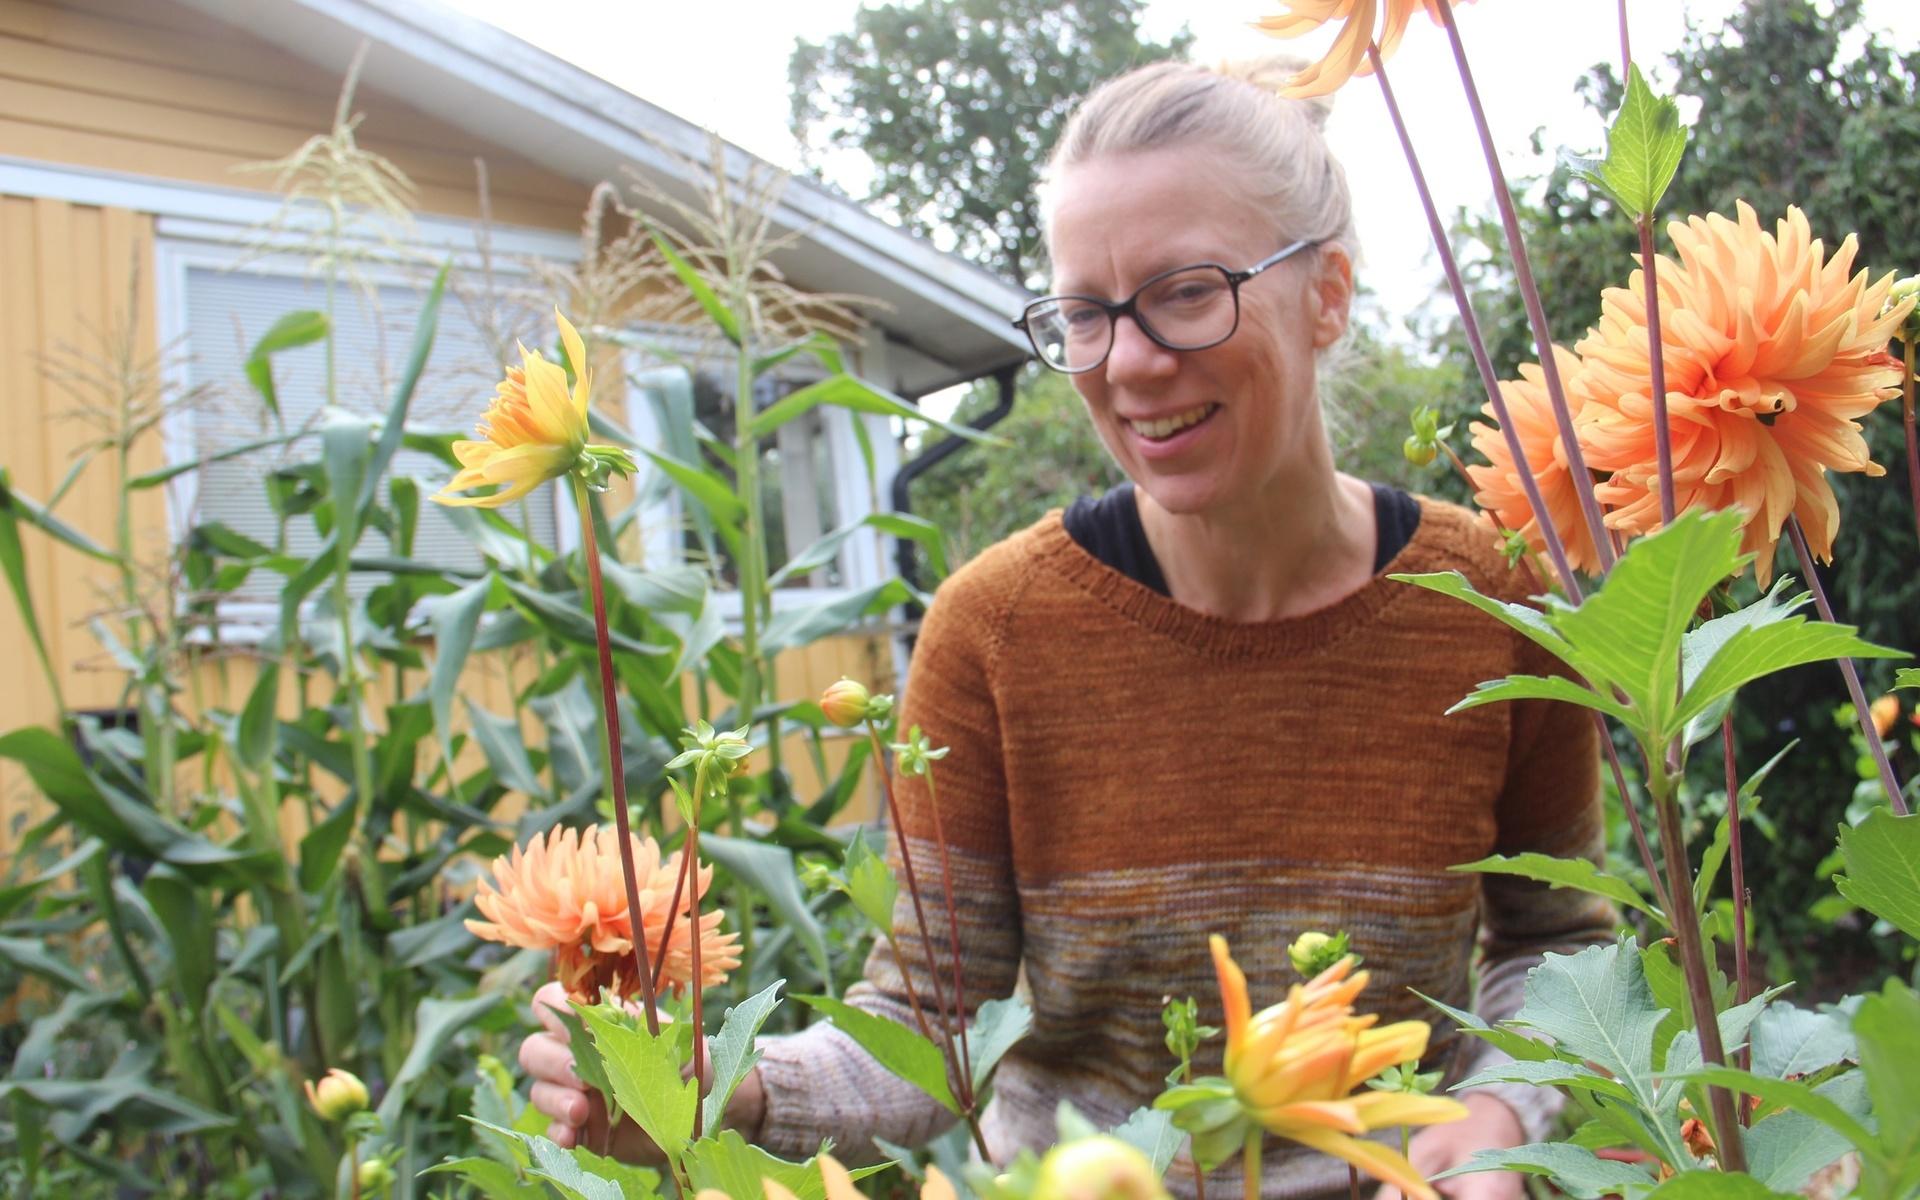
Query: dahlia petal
1384	1164
1384	1110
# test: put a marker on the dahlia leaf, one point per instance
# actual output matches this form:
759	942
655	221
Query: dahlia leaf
870	885
729	1164
1522	619
1785	1150
1780	642
1545	687
1596	1006
1579	1173
1644	147
1628	633
1511	1042
1907	677
644	1070
1553	1073
996	1028
1888	1026
1795	1095
1882	856
733	1052
897	1048
1152	1134
1576	873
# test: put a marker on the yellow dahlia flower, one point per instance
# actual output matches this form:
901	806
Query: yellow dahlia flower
563	891
1773	352
1367	21
533	430
1294	1067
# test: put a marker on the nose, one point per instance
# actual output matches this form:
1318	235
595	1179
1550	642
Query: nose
1135	356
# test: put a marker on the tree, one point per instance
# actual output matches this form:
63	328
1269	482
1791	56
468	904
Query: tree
1795	107
957	103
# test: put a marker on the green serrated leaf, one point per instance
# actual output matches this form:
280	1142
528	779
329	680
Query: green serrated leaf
1888	1029
1596	1006
1882	856
899	1049
1551	1074
1575	873
644	1071
1785	1149
1577	1171
997	1026
1712	1185
870	884
733	1053
1644	147
1153	1134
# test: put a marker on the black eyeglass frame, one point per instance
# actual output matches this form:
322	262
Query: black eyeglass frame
1127	308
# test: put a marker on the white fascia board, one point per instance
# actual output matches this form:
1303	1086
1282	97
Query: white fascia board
204	212
562	95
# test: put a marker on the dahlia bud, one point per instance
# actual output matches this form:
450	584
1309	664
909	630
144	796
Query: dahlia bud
1097	1168
1313	952
375	1177
846	703
1419	451
339	1095
1905	291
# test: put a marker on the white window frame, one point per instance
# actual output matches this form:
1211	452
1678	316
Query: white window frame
862	560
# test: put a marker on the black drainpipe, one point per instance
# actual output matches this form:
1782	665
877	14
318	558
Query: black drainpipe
906	557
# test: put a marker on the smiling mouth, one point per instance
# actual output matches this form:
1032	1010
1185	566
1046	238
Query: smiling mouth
1162	429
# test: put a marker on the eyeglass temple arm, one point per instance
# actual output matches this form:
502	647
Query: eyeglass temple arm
1273	259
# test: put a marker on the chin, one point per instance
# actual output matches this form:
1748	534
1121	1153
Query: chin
1178	496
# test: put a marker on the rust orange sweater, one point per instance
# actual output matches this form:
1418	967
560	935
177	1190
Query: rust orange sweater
1128	776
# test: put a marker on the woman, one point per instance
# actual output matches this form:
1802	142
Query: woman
1195	705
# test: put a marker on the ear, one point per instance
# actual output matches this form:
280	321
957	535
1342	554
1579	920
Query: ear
1333	295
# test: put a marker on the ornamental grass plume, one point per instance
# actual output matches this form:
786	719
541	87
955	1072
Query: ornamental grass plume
1773	353
1498	487
1295	1066
1375	22
534	430
563	892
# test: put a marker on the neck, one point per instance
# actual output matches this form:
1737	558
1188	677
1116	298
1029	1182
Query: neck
1285	557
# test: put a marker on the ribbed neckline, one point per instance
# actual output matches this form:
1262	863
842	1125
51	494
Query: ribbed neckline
1435	547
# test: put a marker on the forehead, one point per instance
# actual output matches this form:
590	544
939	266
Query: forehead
1117	219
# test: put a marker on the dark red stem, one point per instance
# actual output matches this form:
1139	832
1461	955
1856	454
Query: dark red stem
960	1082
673	911
1743	977
953	927
1476	345
1851	673
610	713
1530	293
1657	364
693	924
1626	47
1633	817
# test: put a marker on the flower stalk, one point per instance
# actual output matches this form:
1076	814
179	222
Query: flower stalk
1849	671
1530	294
616	768
1743	976
1476	344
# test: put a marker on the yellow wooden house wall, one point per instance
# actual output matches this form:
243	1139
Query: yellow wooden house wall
153	88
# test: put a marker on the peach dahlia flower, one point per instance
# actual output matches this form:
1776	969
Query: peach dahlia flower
1773	353
1294	1067
1382	22
563	892
1497	485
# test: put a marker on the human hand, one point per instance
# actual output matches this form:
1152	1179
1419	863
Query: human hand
577	1114
1489	1125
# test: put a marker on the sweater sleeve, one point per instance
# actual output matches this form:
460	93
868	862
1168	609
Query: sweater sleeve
1550	804
820	1083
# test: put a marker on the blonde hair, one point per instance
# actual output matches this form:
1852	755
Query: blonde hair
1284	165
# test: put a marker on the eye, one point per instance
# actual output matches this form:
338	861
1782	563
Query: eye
1080	318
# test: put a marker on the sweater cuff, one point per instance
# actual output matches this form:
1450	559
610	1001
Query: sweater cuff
787	1127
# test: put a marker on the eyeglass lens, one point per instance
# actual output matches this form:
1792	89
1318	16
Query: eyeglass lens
1189	309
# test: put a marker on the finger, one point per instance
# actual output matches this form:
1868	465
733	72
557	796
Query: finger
564	1105
548	1003
546	1057
561	1135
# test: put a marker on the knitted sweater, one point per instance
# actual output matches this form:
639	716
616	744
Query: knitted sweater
1128	775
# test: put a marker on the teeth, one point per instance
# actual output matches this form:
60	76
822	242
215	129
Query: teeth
1169	426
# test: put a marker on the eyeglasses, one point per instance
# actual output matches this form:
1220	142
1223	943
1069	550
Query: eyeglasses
1187	308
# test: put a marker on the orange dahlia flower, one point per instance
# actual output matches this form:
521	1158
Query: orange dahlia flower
1294	1067
1367	21
563	892
533	429
1497	484
1773	351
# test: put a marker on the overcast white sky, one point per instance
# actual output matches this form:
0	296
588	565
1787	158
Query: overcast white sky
723	64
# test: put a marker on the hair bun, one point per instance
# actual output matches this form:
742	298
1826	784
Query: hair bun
1270	73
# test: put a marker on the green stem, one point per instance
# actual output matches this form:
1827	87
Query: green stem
350	683
1250	1165
1693	962
694	983
616	769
